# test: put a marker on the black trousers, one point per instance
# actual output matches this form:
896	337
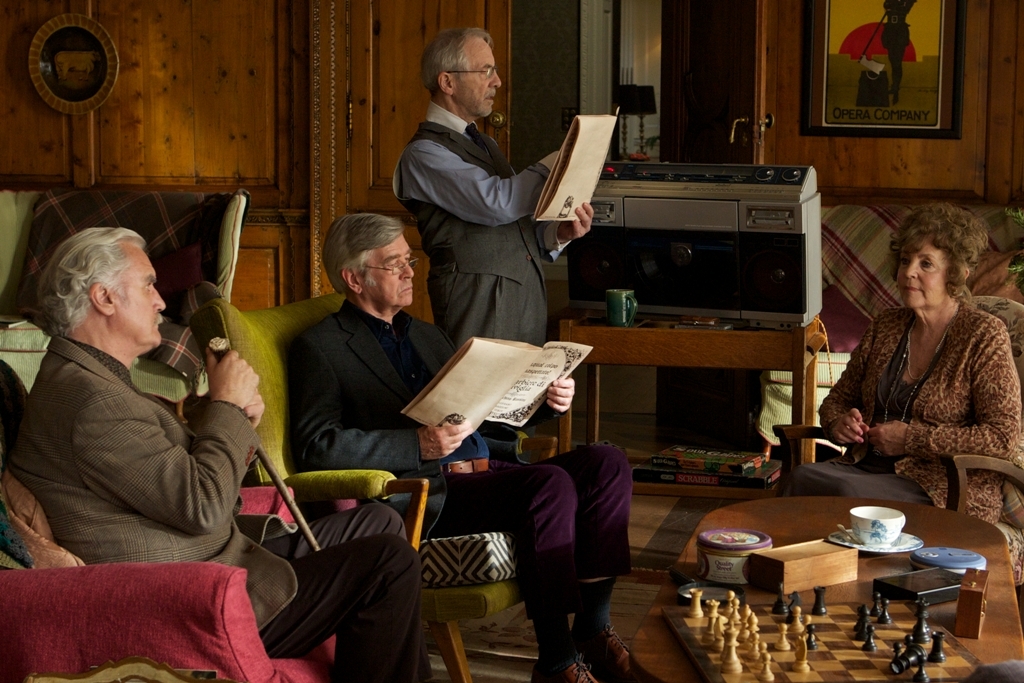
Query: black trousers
363	586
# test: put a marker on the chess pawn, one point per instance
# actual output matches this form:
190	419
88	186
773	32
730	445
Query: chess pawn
863	619
695	609
876	609
754	648
812	640
782	644
727	603
766	675
798	624
883	615
869	642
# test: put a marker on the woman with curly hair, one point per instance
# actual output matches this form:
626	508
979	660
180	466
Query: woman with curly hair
935	376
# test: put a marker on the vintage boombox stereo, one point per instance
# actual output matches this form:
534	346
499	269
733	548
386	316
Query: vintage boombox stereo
735	242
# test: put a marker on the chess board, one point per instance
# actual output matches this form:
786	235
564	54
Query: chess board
838	657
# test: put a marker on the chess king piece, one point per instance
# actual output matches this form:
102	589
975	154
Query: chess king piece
731	663
819	608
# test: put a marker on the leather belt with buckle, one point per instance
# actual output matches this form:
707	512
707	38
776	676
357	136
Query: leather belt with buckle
466	466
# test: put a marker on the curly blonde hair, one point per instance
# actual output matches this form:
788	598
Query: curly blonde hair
960	235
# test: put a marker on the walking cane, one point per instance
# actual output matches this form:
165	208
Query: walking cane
220	346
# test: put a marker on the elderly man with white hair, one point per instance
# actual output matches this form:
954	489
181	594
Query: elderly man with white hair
122	480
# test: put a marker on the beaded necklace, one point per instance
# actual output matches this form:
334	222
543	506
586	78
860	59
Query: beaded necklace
904	362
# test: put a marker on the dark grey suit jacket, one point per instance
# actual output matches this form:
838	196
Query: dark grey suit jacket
122	480
346	401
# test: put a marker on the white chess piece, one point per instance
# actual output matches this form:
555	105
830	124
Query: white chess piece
709	630
695	609
782	644
766	675
800	664
731	663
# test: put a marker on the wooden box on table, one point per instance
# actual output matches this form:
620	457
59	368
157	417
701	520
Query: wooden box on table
801	566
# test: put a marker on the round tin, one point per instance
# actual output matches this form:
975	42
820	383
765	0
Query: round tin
722	553
956	560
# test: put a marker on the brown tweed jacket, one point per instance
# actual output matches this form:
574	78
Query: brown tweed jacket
122	480
970	403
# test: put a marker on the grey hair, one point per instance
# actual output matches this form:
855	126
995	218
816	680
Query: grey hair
350	239
92	256
447	52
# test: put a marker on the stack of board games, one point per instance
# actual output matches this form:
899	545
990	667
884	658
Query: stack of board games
691	465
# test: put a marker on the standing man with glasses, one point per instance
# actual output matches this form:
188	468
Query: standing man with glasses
474	212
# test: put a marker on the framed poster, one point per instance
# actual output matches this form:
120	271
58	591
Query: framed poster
883	68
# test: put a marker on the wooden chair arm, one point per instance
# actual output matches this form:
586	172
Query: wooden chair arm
956	474
546	446
794	434
417	505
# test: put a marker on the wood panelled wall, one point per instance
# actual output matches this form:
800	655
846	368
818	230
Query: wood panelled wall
985	165
210	96
214	95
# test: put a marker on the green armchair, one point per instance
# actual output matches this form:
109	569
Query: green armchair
262	338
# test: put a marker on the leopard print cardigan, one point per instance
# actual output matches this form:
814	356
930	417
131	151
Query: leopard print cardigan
971	403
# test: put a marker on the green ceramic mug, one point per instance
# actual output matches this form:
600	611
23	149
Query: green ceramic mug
621	306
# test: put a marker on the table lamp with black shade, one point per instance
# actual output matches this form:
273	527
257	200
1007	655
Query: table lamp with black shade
647	105
628	100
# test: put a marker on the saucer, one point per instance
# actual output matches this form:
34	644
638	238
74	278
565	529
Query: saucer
905	543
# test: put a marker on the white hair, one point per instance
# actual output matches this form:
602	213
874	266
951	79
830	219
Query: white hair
92	256
447	52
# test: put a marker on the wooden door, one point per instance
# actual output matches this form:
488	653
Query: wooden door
713	81
367	101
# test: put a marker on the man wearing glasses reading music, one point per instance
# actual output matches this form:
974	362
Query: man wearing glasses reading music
474	212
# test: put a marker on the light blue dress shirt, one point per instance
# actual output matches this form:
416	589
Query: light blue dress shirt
428	172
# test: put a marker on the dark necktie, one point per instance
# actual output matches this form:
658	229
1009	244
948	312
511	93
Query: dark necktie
475	135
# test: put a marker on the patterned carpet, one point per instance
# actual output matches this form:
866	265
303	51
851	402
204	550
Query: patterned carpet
502	648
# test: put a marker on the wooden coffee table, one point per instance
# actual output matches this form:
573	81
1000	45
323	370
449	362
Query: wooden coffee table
657	656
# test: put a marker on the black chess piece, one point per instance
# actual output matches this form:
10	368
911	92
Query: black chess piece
869	640
794	601
910	657
897	650
877	608
937	655
860	631
812	640
819	608
921	676
922	631
883	615
780	606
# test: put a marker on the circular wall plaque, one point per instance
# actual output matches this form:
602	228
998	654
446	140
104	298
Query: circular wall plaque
73	63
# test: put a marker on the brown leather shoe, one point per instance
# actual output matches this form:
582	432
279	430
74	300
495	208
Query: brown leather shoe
607	656
577	672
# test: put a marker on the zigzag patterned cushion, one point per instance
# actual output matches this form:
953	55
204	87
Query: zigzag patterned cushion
468	560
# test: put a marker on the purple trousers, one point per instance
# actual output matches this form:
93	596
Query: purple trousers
569	515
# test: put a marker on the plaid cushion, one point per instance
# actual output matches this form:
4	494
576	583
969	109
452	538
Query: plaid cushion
166	220
468	560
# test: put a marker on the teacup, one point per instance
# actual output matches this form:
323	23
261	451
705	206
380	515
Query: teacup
876	526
